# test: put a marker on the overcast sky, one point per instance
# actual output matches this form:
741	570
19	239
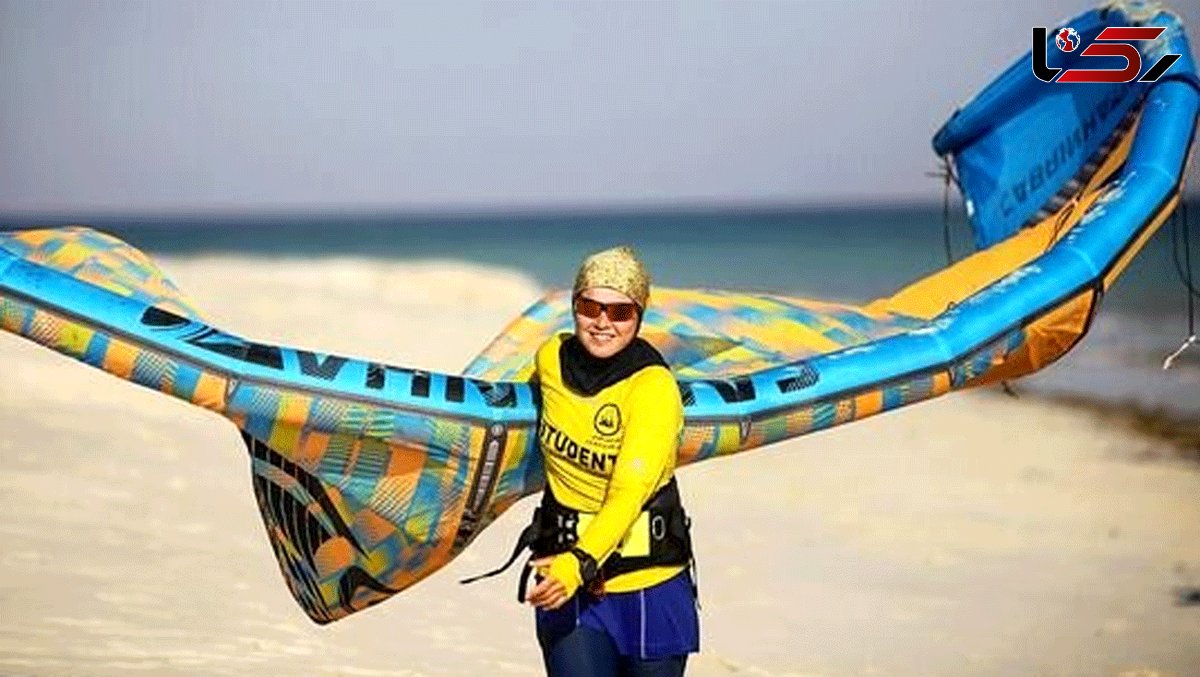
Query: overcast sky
222	105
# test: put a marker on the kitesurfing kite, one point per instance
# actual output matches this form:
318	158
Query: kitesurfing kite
370	476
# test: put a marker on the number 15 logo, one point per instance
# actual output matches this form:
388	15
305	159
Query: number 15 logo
1112	41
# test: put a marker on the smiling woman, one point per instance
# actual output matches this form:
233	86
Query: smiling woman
611	541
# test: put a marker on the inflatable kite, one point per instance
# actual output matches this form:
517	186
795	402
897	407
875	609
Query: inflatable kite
371	476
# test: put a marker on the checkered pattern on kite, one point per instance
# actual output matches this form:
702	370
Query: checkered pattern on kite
977	365
354	518
705	334
101	260
154	371
14	315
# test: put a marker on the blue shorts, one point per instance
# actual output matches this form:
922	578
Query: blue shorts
657	622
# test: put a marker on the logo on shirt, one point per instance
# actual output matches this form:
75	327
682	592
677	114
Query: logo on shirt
608	420
554	440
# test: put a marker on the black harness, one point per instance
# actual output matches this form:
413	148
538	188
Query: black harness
554	530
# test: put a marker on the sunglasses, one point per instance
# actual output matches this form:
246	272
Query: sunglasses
616	312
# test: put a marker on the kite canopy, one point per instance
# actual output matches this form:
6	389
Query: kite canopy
1023	148
372	476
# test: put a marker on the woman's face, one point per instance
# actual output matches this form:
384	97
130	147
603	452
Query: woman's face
605	320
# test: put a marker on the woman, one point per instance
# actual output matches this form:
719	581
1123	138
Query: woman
615	595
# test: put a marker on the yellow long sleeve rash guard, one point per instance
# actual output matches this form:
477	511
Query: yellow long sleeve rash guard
605	456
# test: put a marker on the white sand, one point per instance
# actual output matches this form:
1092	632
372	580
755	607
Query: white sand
973	535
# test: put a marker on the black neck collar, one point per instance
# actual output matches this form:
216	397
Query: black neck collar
586	374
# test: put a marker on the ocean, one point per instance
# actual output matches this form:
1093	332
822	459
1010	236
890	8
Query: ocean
849	254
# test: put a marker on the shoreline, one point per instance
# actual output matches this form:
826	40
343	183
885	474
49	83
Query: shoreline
1178	431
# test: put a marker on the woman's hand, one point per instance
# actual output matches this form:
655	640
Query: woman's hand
550	593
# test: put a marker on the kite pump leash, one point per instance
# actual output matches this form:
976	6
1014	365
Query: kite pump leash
945	172
1180	236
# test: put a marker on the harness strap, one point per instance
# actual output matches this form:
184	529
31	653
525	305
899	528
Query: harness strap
553	530
523	583
528	535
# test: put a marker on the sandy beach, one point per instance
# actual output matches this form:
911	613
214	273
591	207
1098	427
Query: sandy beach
976	534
